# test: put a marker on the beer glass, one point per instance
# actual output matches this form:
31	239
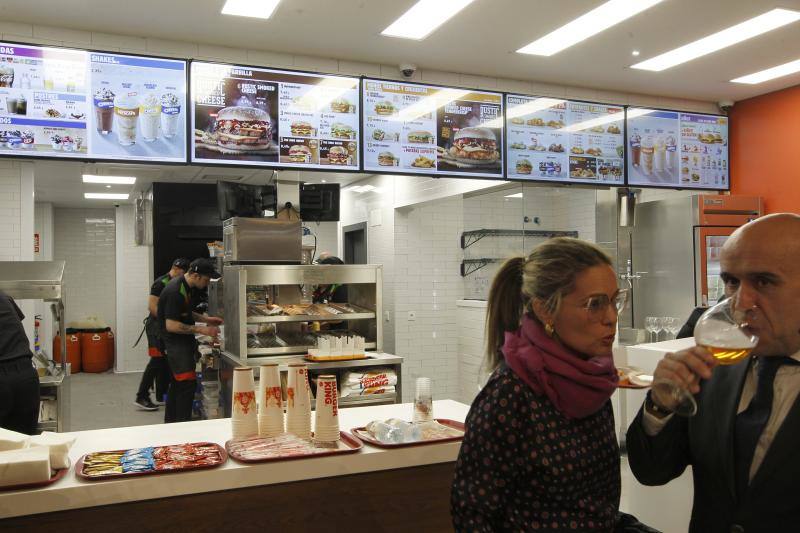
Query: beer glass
721	330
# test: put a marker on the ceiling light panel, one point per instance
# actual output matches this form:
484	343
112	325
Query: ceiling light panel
780	71
113	180
595	21
743	31
424	17
260	9
105	196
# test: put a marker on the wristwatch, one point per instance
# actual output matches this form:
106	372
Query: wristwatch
651	407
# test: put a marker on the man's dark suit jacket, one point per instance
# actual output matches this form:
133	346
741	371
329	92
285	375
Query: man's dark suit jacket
771	503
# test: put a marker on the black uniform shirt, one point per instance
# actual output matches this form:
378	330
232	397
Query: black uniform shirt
175	303
159	284
13	341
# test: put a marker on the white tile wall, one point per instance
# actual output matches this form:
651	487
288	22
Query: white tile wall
10	211
134	275
43	226
85	239
428	284
472	373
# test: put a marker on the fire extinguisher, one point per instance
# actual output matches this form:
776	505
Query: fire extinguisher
37	345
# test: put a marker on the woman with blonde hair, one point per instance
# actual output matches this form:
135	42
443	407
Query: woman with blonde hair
540	451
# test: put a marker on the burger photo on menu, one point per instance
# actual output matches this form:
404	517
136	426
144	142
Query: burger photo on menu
475	144
299	153
340	105
342	131
338	155
378	134
387	159
384	108
302	128
243	129
420	137
524	166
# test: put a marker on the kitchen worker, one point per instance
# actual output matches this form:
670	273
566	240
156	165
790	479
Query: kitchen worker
156	374
177	320
335	293
19	382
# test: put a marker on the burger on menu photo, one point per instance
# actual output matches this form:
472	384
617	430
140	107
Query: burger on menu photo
302	129
386	159
475	144
384	108
342	131
337	155
243	129
340	105
420	137
524	166
299	153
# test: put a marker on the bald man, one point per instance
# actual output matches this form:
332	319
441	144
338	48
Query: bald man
743	443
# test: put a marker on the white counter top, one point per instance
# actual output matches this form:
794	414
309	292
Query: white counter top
73	493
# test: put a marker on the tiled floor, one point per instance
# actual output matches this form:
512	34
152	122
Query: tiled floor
101	401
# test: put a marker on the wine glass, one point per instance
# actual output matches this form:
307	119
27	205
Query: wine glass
721	330
650	326
672	326
658	325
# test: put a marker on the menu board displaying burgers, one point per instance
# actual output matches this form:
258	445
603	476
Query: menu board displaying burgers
551	139
675	149
423	129
255	116
43	101
138	108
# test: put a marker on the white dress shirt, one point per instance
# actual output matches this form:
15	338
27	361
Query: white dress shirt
786	389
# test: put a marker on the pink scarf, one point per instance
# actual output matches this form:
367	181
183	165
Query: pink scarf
577	387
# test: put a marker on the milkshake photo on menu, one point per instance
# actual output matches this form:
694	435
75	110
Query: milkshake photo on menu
652	146
138	108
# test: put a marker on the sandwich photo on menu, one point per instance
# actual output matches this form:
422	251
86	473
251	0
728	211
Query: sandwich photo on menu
475	144
242	129
302	129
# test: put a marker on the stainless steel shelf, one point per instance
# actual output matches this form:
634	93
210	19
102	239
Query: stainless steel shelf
358	401
287	350
309	318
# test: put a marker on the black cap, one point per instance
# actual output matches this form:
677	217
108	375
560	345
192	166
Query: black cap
204	267
181	263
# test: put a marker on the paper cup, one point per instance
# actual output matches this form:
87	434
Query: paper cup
244	422
298	402
270	397
326	415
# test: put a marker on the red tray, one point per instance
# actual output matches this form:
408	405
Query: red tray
57	474
352	443
222	453
364	435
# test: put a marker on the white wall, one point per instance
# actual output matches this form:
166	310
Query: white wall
428	284
327	234
43	227
472	373
16	224
134	275
85	239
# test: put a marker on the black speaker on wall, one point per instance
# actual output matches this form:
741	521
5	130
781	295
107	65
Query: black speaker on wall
185	219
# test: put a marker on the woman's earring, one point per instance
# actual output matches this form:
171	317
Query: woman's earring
548	328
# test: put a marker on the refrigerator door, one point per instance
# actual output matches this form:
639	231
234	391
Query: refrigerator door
708	245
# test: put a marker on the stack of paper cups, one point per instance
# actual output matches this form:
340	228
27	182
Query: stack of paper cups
326	419
423	401
270	397
298	402
244	422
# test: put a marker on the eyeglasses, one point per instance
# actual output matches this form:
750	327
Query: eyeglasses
597	305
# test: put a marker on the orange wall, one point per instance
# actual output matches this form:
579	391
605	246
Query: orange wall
765	149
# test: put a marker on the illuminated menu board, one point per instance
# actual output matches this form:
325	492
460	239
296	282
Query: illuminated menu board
424	129
677	150
557	140
254	116
59	102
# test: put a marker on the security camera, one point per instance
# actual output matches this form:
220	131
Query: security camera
725	106
116	205
407	70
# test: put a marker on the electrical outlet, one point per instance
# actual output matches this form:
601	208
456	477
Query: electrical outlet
412	315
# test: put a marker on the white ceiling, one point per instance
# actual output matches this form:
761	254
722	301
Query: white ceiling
61	182
480	40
